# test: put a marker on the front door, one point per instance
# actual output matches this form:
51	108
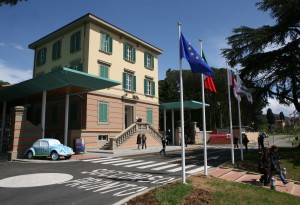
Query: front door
128	115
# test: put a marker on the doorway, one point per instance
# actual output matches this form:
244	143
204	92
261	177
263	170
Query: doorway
128	115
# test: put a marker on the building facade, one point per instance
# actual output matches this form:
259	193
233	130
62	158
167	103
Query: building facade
93	46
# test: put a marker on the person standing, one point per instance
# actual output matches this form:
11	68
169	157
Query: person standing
275	166
144	139
265	166
138	140
236	142
245	141
164	142
261	139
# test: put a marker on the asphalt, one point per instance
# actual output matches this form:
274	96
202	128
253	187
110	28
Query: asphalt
225	173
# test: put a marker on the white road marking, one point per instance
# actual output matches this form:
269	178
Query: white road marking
105	160
142	163
152	165
180	168
34	180
165	167
123	163
95	159
123	160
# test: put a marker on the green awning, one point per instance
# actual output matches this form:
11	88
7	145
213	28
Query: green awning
188	105
60	82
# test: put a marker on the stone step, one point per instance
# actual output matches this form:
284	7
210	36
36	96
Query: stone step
233	175
219	171
296	190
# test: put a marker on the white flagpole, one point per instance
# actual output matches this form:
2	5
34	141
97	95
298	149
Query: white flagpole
181	113
203	117
230	117
240	124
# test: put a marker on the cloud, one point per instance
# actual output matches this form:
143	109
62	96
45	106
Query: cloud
2	44
18	46
277	108
13	75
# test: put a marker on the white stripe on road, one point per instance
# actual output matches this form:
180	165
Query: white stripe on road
88	160
105	160
123	160
180	168
152	165
165	167
135	165
123	163
196	170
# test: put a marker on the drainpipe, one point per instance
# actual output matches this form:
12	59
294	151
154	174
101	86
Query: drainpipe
3	126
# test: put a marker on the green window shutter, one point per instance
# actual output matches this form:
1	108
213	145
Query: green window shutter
124	81
145	59
152	62
110	45
133	54
38	58
125	51
72	47
59	49
103	112
145	86
103	37
153	88
45	55
149	116
103	71
106	72
134	83
78	41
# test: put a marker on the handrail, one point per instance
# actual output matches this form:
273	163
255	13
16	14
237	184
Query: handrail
129	132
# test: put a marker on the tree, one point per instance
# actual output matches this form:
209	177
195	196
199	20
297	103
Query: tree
275	72
270	118
281	116
3	83
10	2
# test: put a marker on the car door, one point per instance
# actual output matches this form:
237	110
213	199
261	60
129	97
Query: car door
44	148
36	147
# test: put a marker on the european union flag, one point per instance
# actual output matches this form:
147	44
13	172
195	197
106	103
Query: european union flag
196	63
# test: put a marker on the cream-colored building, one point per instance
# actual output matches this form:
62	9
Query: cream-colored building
95	47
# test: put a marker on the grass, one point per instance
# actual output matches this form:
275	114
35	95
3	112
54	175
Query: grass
230	193
289	157
174	194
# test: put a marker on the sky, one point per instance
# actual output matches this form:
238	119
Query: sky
155	21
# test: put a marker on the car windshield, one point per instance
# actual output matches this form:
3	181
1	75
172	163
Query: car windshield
54	142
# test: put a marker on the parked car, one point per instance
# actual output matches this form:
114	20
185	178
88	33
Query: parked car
49	148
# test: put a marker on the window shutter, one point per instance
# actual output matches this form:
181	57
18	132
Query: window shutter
102	71
133	54
145	86
110	44
124	81
38	58
72	43
103	37
103	112
152	62
145	59
134	83
45	55
125	51
153	88
78	41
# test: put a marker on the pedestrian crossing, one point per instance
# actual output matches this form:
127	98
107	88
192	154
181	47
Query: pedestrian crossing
143	164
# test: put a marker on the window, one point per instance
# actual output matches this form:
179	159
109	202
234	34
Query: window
75	42
77	67
103	112
106	43
103	137
73	112
44	144
129	53
150	116
129	81
148	60
149	87
56	50
104	71
41	56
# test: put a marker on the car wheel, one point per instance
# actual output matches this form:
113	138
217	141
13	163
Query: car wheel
68	157
29	155
54	155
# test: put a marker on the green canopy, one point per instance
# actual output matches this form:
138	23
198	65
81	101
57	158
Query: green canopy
187	105
59	82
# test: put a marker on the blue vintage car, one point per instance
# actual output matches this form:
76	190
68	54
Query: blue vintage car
49	148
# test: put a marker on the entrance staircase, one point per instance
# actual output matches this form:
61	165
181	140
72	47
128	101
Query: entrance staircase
127	138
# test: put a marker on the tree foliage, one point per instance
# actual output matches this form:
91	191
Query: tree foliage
9	2
270	54
281	116
217	114
271	118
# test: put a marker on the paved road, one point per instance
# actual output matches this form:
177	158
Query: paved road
102	180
